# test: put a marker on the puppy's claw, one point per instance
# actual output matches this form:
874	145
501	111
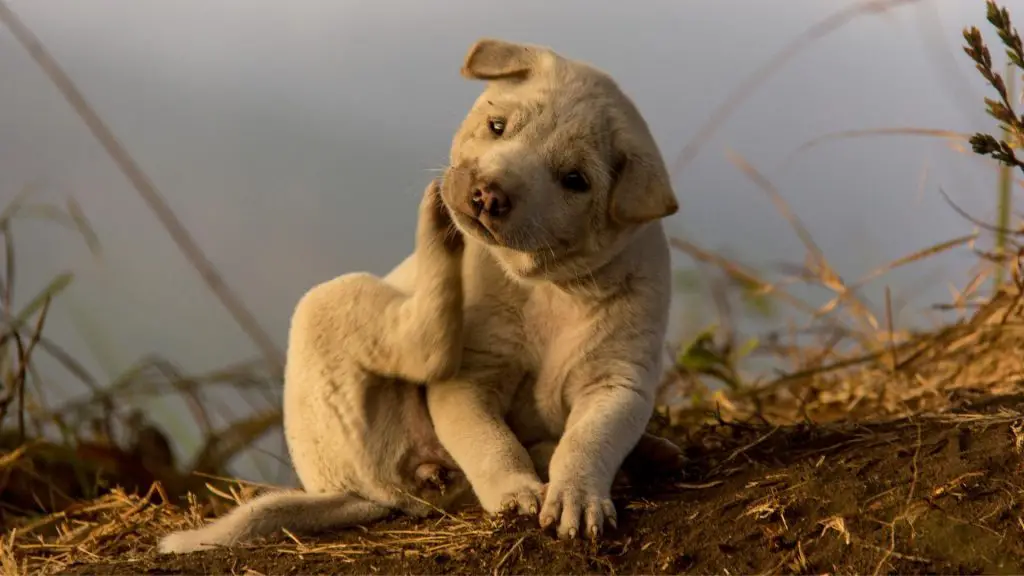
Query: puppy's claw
523	496
594	516
575	508
438	481
551	511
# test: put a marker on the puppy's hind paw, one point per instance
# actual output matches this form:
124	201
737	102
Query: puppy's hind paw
658	452
431	475
436	222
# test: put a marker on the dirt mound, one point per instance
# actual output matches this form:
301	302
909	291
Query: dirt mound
934	493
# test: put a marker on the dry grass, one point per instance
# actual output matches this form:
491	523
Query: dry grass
879	371
124	526
92	480
120	530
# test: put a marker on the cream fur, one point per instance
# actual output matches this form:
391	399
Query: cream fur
520	343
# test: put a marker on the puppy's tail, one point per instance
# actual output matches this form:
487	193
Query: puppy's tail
268	514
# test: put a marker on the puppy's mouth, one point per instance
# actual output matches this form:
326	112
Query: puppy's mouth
477	227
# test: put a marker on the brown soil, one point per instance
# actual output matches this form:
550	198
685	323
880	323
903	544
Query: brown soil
930	494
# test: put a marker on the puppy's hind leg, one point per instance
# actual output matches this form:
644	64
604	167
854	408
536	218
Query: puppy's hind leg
415	337
270	513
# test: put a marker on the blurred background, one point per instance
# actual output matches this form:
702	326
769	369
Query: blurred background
294	139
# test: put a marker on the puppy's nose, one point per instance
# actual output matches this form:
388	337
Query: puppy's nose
492	200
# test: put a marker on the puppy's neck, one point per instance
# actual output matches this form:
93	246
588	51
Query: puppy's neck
599	277
606	278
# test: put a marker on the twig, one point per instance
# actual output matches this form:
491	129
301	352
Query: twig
744	449
24	358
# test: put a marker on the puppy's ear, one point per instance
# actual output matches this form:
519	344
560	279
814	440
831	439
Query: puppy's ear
491	59
642	191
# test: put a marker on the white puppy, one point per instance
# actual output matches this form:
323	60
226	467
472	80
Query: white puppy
555	177
531	330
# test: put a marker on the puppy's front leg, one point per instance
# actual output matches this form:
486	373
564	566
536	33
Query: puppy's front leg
469	418
606	420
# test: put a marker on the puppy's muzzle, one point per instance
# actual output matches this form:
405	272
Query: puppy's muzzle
490	201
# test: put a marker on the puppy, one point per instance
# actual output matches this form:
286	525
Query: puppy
533	304
557	184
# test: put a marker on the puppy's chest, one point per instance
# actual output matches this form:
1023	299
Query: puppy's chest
558	333
552	320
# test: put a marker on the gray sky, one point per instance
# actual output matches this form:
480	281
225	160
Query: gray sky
294	138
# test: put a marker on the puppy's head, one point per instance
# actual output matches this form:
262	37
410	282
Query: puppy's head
553	168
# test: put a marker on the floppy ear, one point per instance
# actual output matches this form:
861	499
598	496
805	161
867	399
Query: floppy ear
642	191
491	59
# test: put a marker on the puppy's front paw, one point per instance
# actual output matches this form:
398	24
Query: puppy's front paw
514	493
567	501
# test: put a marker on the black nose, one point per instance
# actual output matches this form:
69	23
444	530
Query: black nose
492	200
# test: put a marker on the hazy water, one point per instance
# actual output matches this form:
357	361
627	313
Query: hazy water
294	139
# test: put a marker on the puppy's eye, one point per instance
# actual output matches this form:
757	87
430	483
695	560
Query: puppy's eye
575	181
496	125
